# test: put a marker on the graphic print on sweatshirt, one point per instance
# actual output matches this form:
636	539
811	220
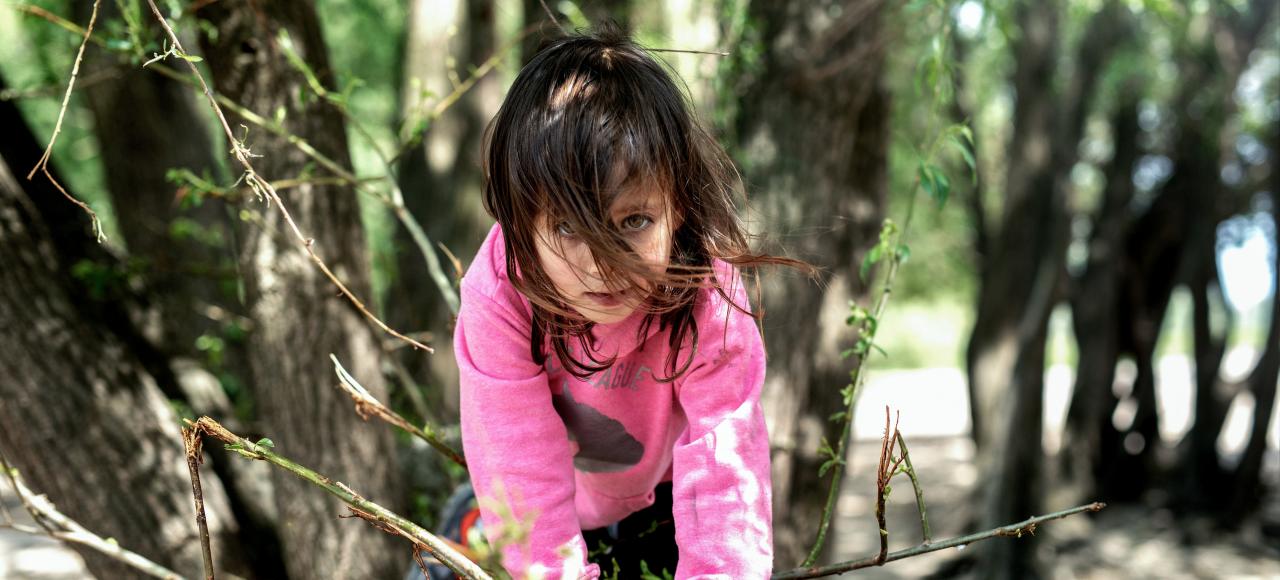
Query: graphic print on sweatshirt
604	445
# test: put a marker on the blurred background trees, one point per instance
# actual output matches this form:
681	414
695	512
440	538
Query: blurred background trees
1120	231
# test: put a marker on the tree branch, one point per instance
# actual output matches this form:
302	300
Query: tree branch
55	524
266	190
192	442
442	549
915	484
43	164
366	404
1027	526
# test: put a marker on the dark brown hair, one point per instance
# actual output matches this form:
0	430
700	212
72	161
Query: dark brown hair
587	119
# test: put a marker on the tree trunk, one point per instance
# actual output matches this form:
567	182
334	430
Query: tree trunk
442	180
1094	310
1173	242
812	140
1263	380
299	317
1022	273
182	248
76	397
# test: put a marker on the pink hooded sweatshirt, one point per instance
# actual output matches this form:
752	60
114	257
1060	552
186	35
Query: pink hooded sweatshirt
564	454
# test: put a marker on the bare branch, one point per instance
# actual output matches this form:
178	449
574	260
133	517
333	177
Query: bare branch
552	15
441	549
43	164
55	524
915	483
192	442
366	404
264	187
1027	526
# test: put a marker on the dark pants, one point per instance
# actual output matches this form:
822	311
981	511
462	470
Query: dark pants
647	536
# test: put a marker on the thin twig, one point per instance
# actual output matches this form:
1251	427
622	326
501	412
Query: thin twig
1017	530
856	382
43	164
396	201
421	538
193	444
51	17
884	474
915	484
11	474
690	51
417	127
55	524
367	404
52	90
552	16
241	153
8	517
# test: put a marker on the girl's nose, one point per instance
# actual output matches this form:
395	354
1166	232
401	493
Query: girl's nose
587	265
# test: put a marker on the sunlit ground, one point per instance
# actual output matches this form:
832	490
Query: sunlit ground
1126	542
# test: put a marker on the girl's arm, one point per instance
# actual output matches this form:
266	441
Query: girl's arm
517	447
721	484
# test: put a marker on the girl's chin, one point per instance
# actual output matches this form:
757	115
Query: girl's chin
605	316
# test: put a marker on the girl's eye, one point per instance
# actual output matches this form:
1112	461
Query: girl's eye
636	222
564	229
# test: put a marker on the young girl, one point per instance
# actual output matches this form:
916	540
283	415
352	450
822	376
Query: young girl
610	366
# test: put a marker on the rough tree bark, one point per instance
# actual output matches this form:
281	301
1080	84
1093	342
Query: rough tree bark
77	397
299	318
812	136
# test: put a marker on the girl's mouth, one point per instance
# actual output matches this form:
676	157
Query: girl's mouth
607	299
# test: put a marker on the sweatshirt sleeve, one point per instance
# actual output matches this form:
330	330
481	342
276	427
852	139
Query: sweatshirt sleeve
721	478
517	447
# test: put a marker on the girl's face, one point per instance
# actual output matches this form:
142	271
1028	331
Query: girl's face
644	220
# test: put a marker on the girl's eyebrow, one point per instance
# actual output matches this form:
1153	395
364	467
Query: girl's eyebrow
633	206
645	204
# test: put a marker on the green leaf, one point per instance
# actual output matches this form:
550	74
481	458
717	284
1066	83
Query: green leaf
966	152
944	186
826	466
868	261
836	416
904	253
935	183
264	442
